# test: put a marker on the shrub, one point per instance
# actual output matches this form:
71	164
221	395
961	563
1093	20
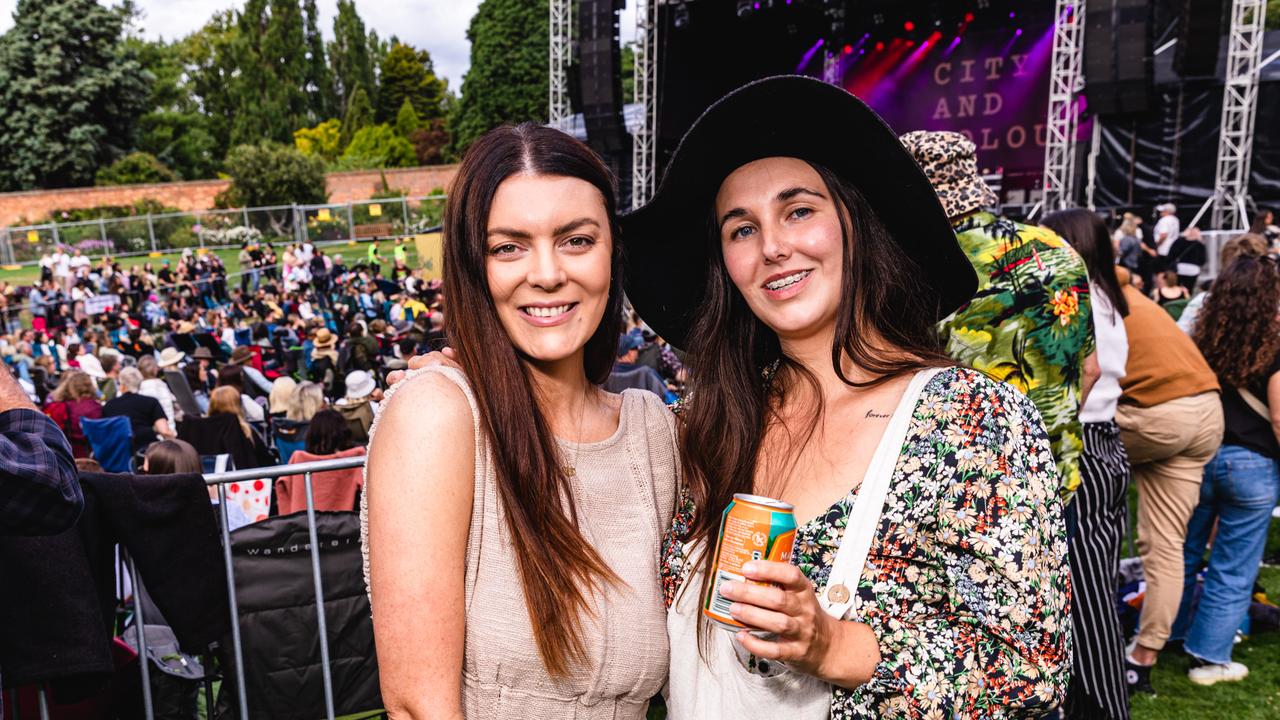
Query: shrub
133	169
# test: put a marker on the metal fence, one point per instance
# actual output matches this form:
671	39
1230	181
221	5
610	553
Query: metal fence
214	229
221	480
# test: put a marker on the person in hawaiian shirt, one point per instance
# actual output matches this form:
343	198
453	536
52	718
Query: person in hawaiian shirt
1030	323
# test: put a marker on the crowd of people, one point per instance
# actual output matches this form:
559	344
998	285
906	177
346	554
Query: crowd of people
292	337
1074	360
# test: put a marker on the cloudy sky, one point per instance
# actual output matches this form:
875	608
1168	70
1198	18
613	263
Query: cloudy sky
440	26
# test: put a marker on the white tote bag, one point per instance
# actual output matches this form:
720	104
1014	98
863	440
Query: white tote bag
722	688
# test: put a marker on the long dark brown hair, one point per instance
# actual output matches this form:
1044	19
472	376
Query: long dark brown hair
559	569
1086	232
1237	330
886	324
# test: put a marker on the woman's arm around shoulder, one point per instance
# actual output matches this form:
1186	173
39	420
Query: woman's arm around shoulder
420	487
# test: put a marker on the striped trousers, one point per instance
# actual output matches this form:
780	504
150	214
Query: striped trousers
1098	690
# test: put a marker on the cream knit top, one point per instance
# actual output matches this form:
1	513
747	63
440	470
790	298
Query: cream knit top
624	489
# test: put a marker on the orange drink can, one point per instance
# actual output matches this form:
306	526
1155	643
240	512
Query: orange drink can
751	528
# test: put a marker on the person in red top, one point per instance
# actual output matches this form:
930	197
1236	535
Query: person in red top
76	397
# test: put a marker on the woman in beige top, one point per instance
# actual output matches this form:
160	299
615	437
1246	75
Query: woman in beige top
513	525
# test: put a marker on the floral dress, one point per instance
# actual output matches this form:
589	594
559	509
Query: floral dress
966	585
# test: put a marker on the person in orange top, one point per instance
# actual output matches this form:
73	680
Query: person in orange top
1170	418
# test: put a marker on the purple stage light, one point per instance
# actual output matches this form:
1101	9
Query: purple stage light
1018	31
808	56
1012	14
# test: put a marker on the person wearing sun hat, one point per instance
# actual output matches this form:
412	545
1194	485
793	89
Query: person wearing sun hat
1030	323
800	256
324	361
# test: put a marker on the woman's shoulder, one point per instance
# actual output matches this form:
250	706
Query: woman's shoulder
431	392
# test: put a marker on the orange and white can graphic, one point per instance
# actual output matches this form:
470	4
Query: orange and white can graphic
752	528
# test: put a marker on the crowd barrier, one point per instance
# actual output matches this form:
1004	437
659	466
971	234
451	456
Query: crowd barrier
221	480
157	233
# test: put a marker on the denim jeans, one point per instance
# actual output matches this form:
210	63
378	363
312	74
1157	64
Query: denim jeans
1239	490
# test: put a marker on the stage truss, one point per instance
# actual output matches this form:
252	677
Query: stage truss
644	140
1065	83
1239	107
559	111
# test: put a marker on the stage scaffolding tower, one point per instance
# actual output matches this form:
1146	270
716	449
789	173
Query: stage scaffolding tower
1239	107
559	112
1065	83
644	140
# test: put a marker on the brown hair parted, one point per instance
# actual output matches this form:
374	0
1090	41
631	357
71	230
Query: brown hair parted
1238	330
225	400
886	325
168	457
559	570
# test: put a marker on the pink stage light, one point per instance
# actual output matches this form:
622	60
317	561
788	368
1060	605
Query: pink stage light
908	26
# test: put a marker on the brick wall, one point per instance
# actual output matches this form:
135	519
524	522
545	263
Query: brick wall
35	205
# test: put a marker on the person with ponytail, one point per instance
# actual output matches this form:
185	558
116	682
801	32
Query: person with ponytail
513	510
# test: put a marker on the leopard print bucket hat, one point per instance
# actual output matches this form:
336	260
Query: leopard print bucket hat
950	161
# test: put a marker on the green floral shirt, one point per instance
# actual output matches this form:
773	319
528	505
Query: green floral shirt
1030	324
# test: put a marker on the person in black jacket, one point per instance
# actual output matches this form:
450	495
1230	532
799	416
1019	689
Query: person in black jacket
1187	256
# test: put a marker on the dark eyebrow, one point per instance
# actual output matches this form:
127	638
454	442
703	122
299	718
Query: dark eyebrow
565	228
574	225
789	193
517	234
783	196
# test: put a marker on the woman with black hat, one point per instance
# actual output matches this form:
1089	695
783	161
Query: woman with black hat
929	575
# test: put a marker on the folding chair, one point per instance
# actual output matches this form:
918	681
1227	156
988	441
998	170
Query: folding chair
182	394
112	442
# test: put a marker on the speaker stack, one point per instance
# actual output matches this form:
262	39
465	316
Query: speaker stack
1117	56
600	82
1199	38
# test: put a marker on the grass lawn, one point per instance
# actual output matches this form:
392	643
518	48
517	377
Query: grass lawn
1254	698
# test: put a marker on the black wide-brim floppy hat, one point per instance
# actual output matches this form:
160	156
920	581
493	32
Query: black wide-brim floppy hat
794	116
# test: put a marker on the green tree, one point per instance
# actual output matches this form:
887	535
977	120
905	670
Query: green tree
319	77
176	130
1273	15
349	54
184	141
270	55
507	81
407	119
273	174
359	115
322	140
378	146
134	168
628	73
71	91
209	60
407	74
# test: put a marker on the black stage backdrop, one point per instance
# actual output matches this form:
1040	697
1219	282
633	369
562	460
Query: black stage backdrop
1169	154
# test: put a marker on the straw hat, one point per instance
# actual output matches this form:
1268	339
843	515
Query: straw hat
324	339
170	356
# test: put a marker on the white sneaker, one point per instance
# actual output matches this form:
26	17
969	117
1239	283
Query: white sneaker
1211	674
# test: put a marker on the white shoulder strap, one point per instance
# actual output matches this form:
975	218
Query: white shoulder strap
864	517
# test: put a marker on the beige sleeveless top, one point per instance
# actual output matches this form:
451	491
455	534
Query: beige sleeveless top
624	490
